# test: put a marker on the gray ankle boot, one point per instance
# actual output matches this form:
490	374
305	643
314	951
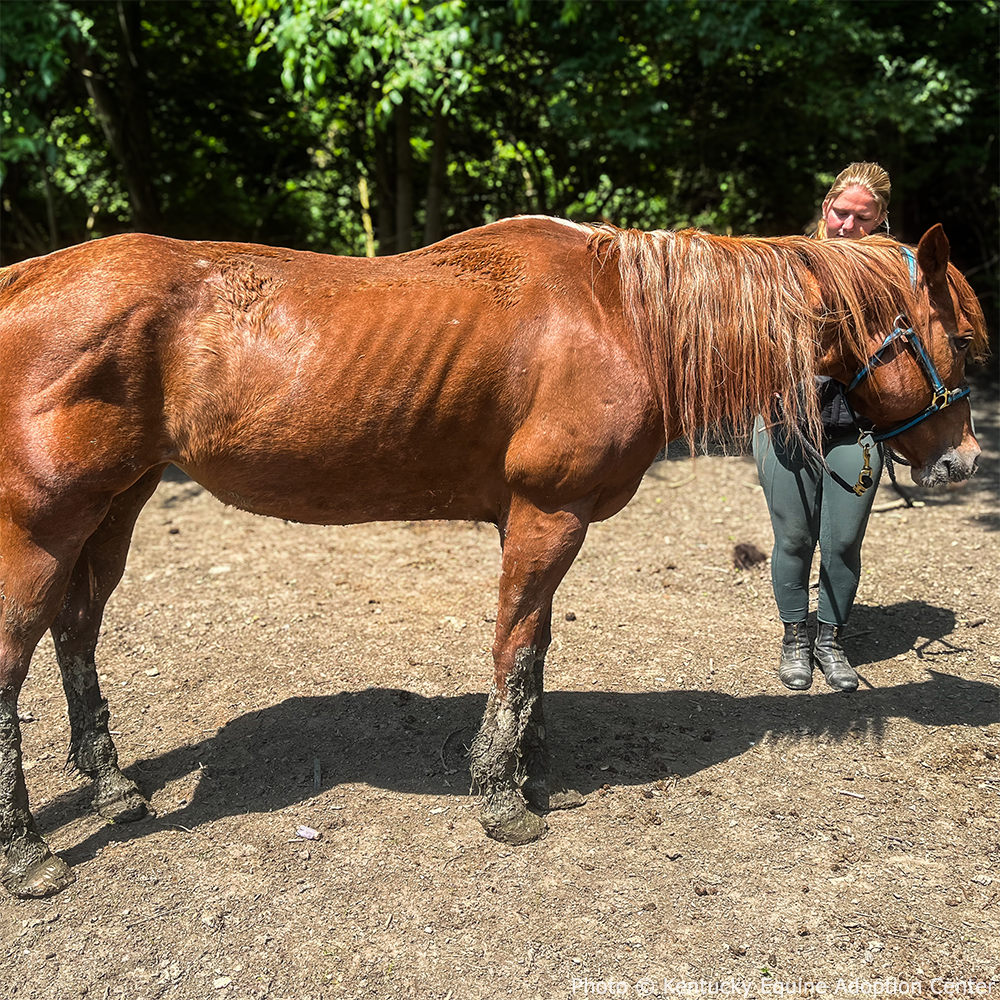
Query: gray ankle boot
829	656
795	669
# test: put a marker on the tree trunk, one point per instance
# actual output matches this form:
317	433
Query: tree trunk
19	236
434	226
366	217
50	208
122	109
404	176
384	195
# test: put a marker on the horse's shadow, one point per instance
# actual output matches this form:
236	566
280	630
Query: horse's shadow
395	739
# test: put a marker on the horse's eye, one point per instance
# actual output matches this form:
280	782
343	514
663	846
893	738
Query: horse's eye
961	343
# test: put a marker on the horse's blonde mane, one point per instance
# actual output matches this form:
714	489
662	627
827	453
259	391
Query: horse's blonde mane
726	323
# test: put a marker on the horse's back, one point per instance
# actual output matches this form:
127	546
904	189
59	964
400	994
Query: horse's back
326	388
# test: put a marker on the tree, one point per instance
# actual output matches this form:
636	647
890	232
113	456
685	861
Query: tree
145	116
388	60
33	40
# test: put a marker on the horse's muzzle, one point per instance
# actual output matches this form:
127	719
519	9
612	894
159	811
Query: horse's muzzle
952	467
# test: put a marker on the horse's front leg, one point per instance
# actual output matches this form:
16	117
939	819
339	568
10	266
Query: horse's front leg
75	632
544	788
510	761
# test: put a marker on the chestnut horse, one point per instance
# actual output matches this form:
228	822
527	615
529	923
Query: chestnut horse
525	373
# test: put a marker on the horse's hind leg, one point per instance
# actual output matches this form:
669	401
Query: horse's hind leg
75	632
509	757
37	553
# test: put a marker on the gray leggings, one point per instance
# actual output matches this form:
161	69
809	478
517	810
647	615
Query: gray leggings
807	507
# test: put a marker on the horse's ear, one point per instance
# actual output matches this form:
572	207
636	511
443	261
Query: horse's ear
932	256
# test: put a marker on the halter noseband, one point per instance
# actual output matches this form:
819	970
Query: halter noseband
902	330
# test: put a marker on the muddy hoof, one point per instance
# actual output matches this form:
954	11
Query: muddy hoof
518	829
124	808
41	879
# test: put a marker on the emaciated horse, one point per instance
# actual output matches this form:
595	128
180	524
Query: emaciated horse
525	373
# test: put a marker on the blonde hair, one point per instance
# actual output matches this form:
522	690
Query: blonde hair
869	176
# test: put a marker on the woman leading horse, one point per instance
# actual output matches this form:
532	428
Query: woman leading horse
524	373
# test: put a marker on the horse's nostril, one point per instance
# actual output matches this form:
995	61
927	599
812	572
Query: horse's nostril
959	468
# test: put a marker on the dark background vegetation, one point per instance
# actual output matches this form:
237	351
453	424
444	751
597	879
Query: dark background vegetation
266	120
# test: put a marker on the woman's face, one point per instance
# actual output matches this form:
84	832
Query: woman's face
852	214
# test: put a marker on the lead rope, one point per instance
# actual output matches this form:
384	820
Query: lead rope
890	458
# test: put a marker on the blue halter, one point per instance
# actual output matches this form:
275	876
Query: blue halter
902	330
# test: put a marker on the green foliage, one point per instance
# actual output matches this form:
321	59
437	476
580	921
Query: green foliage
738	112
223	149
34	62
257	119
389	47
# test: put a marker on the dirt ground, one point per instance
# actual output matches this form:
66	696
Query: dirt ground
737	838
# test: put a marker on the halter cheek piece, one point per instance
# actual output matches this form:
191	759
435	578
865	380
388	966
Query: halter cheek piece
941	396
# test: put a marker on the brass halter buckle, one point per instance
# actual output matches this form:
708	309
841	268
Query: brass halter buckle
865	478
